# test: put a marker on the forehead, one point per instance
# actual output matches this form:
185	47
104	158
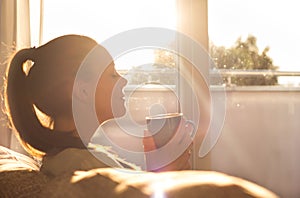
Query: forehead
96	62
110	68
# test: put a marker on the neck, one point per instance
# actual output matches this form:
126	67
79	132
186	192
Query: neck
64	124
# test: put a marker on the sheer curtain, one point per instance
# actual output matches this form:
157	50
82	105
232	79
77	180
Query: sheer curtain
14	35
192	21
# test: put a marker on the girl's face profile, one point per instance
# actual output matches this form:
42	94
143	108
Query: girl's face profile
110	98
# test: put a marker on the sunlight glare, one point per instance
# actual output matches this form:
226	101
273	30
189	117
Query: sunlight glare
134	59
101	20
273	23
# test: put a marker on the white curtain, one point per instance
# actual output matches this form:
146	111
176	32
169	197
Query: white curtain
14	35
192	21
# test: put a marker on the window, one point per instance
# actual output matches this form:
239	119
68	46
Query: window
272	23
103	19
260	136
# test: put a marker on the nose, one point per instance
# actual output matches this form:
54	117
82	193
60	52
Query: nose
123	81
121	84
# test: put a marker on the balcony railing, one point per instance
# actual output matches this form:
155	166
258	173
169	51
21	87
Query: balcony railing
244	73
286	79
291	77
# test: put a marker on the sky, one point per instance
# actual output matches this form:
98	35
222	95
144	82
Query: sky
273	22
100	22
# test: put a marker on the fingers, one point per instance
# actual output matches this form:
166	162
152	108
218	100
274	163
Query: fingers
182	138
181	163
148	142
180	143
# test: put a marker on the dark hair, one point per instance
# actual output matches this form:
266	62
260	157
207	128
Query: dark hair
40	87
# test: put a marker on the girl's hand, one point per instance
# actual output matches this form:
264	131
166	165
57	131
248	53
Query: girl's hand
182	141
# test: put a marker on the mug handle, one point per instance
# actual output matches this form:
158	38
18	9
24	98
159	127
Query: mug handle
193	132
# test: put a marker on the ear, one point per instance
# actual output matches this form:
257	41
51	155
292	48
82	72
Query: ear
81	91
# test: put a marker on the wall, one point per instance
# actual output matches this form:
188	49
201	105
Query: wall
260	140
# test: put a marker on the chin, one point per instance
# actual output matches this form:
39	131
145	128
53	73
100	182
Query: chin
119	112
118	109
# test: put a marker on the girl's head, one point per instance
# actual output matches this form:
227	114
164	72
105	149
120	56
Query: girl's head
38	97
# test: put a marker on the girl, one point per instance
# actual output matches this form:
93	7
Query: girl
39	100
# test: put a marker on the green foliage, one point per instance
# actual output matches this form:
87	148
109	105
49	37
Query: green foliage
152	73
244	55
164	58
162	71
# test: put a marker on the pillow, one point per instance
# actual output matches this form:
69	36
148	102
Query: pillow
21	183
19	175
11	160
111	182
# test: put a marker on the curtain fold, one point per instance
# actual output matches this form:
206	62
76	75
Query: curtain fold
14	35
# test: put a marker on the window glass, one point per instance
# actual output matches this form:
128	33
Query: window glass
103	19
271	23
260	136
